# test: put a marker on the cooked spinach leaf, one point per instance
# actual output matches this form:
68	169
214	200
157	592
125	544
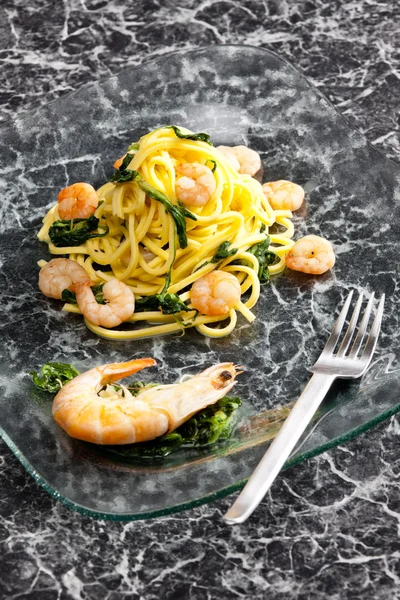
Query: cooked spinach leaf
97	290
208	426
53	376
265	258
223	251
171	304
122	176
68	296
75	232
168	303
125	162
134	147
196	137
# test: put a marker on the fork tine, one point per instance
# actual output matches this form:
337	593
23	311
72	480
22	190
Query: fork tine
351	328
337	329
362	329
373	336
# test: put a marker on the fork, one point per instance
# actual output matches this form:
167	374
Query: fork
329	366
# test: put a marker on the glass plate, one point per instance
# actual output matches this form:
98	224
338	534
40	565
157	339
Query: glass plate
240	95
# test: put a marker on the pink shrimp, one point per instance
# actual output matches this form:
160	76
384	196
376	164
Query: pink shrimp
119	307
196	186
61	274
77	201
215	293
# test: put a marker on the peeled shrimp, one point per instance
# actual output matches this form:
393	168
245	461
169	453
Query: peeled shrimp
121	418
283	195
119	307
60	274
147	255
77	201
196	186
243	159
215	293
311	254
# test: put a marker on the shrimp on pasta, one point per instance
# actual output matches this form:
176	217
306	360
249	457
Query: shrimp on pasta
77	201
197	184
60	274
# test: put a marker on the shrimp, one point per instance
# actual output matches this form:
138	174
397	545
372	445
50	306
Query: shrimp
121	418
245	160
60	274
311	254
215	293
119	307
77	201
283	195
146	254
196	186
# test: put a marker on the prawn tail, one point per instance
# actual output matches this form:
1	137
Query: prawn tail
115	371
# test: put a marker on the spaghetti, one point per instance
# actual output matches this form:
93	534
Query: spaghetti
158	247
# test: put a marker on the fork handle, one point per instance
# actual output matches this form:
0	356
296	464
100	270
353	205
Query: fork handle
280	449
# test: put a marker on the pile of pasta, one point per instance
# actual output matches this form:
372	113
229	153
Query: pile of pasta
159	248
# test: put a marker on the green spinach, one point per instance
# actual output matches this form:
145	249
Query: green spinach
209	426
97	290
196	137
168	303
53	376
223	251
265	258
75	232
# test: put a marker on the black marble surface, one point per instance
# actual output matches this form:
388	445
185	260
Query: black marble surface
330	527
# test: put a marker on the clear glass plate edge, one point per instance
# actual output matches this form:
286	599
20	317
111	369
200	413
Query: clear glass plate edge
234	487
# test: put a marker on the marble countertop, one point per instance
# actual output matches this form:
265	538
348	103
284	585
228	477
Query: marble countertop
329	529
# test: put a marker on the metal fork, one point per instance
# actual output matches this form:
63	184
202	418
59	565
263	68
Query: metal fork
329	366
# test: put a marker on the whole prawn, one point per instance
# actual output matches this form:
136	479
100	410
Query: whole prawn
121	418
